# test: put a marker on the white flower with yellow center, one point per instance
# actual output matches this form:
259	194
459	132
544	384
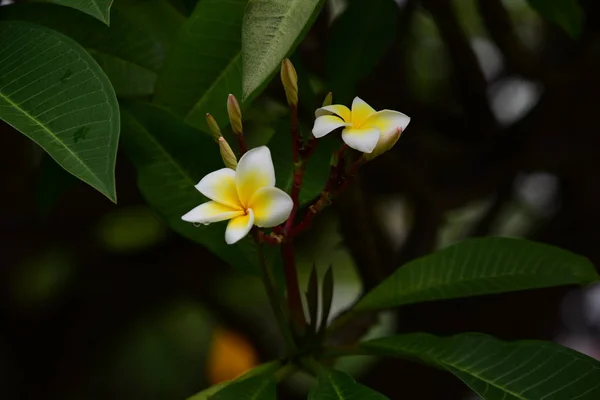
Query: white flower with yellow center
246	196
365	129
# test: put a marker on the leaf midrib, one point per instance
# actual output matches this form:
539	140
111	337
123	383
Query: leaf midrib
285	16
446	365
261	388
338	390
436	360
456	283
100	187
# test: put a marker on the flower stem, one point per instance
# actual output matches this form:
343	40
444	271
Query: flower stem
242	143
294	300
293	288
276	303
338	181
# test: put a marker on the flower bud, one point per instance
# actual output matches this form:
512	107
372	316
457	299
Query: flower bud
215	132
289	78
328	99
227	154
235	114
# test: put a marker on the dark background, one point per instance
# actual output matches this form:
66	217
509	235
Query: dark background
102	301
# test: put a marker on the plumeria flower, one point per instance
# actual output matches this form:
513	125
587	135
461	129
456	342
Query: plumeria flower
246	196
365	129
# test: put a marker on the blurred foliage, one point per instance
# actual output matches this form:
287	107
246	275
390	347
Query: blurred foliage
104	302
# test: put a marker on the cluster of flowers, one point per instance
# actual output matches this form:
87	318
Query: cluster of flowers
244	192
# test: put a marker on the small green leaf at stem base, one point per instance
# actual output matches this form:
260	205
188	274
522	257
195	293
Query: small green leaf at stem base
327	298
312	298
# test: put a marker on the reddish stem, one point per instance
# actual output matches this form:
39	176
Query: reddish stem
287	248
298	168
296	140
242	143
293	287
338	181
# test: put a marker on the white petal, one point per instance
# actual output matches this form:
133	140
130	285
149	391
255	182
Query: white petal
387	121
271	206
211	211
254	171
391	124
360	111
363	140
325	124
220	186
239	227
340	110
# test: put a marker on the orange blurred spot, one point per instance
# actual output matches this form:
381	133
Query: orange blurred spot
230	355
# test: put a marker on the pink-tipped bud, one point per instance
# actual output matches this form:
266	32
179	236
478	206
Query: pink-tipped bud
227	154
215	132
289	78
235	114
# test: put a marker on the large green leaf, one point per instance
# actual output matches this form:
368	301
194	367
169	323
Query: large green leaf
568	14
266	369
477	267
131	51
499	370
205	64
262	387
359	38
170	158
53	92
99	9
336	385
270	31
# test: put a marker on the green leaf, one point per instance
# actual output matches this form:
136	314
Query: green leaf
336	385
327	297
99	9
131	51
499	370
262	387
477	267
568	14
359	39
205	64
171	157
53	92
263	369
270	31
312	297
